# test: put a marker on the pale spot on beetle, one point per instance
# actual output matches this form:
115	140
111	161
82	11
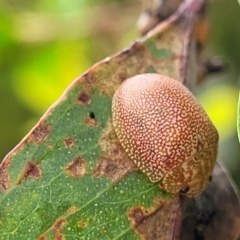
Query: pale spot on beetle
69	142
31	170
76	168
84	98
39	134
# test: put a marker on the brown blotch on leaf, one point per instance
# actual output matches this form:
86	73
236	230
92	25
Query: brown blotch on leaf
104	230
39	134
114	169
59	236
90	120
31	170
154	223
58	225
69	142
116	149
90	79
82	224
4	176
49	145
126	53
42	237
84	98
110	144
72	210
137	215
122	76
77	168
115	164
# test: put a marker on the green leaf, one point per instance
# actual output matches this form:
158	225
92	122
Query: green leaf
70	178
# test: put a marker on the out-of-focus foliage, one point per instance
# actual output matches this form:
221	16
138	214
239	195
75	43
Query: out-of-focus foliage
44	45
219	93
238	118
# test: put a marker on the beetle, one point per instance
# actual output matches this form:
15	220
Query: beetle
165	132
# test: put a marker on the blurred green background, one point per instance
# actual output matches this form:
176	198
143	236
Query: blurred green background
45	45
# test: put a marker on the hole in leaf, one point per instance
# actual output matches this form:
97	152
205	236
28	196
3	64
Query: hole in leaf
92	115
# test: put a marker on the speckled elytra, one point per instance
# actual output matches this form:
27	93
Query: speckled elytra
165	132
